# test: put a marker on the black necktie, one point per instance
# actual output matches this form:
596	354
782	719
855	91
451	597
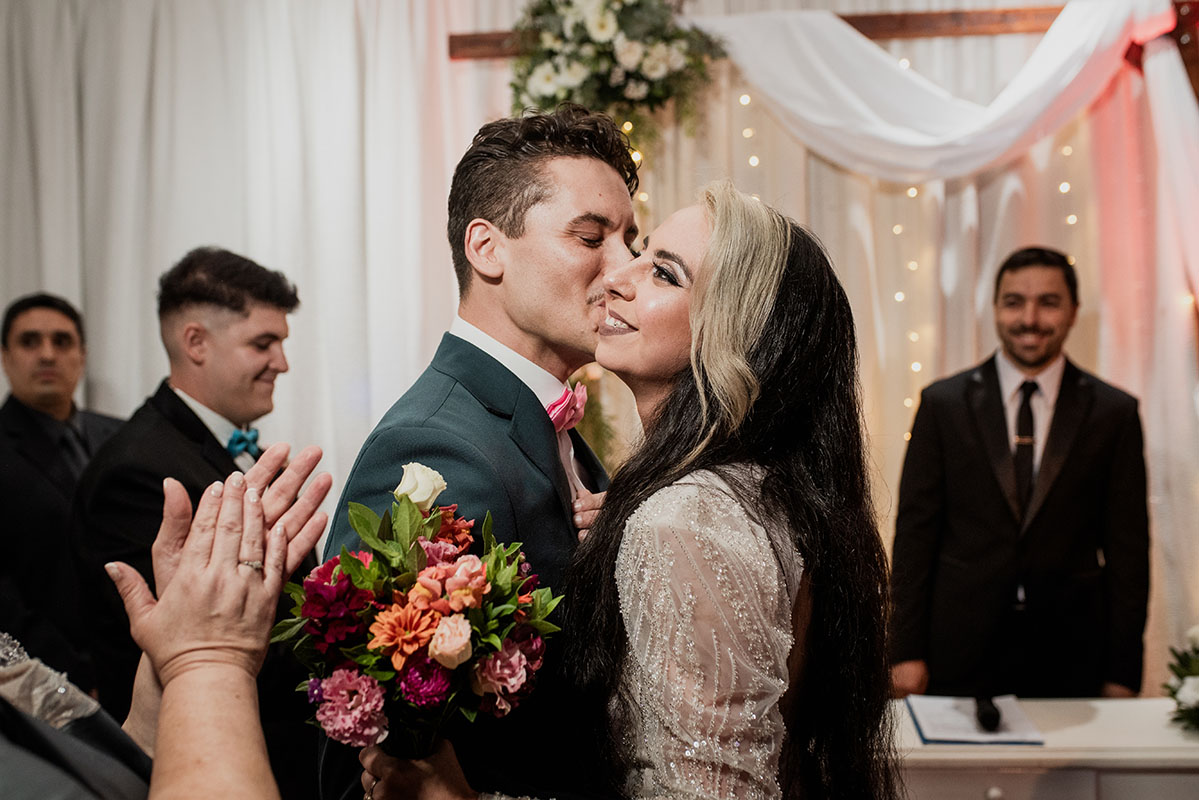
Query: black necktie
1025	442
74	451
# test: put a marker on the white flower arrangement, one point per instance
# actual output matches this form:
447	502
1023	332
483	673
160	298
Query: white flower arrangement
1183	685
626	57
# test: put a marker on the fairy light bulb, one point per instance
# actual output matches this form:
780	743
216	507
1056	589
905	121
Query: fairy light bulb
744	99
747	133
897	229
627	127
913	191
753	161
899	297
1063	187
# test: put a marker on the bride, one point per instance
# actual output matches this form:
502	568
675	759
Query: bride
726	616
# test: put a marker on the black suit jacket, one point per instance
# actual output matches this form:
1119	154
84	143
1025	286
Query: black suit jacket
476	423
39	602
117	512
1080	554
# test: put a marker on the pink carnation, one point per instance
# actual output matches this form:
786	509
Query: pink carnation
501	673
450	645
352	709
438	552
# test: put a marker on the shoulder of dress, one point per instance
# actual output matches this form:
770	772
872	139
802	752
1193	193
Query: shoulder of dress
694	501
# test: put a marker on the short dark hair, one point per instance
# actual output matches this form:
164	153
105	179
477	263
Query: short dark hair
40	300
501	175
1039	257
212	276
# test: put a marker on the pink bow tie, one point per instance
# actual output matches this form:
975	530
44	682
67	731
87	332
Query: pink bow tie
567	410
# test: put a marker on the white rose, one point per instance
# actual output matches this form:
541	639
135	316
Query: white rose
628	52
1188	694
550	42
678	56
1174	683
587	50
616	76
543	80
421	484
636	90
656	64
601	26
573	76
1193	637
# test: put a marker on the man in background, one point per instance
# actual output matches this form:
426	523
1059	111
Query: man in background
223	321
45	442
1021	560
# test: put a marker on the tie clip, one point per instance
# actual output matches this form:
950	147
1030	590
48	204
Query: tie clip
1026	440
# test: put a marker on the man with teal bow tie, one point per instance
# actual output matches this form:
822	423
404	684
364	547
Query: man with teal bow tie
223	320
538	207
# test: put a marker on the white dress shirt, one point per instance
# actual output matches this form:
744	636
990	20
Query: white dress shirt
1042	402
220	427
543	384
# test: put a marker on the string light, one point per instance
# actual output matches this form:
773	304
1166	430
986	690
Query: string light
643	197
1063	187
747	133
899	297
904	63
1070	260
907	402
1067	150
913	336
627	127
756	197
896	229
913	191
636	156
753	161
1073	218
744	99
917	366
907	437
1188	299
913	266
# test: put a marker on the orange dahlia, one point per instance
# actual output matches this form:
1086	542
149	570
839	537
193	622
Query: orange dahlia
402	630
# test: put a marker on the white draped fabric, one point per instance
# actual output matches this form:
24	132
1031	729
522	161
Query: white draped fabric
319	138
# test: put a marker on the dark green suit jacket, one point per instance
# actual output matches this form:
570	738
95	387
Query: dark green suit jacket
472	420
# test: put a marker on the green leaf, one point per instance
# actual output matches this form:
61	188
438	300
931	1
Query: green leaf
488	538
295	591
303	687
287	629
492	640
357	571
543	627
469	713
364	521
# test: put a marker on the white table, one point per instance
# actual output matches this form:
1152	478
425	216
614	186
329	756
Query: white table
1094	750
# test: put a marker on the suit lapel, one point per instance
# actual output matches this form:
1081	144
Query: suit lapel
31	441
178	414
589	462
986	405
1073	403
505	395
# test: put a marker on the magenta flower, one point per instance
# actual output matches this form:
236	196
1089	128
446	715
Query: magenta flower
352	711
531	644
424	682
438	552
333	604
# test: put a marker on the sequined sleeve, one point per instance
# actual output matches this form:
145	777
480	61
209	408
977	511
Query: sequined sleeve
708	615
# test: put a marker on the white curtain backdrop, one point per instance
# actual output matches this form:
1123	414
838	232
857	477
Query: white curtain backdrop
319	138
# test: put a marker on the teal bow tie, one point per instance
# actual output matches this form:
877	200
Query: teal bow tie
244	442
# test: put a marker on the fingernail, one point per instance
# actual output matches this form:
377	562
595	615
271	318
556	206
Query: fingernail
112	570
217	488
236	479
578	519
577	505
280	530
252	495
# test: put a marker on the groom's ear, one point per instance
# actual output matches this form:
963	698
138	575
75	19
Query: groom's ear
486	248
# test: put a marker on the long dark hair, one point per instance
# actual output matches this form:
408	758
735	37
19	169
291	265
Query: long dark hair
794	412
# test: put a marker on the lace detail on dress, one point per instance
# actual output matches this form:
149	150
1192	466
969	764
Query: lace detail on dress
708	615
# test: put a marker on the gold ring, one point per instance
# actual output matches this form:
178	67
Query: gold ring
255	565
370	793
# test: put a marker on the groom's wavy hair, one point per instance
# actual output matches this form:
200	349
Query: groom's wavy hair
502	175
773	382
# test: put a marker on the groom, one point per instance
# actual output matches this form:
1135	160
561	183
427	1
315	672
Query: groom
538	207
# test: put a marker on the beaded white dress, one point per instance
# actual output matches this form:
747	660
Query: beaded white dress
707	606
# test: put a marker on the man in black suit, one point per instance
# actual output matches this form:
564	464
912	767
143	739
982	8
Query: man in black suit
45	442
1021	559
223	320
538	207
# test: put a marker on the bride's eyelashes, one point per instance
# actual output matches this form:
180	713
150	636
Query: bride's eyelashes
663	273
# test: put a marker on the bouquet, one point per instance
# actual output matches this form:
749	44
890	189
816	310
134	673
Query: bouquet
1183	686
414	632
626	57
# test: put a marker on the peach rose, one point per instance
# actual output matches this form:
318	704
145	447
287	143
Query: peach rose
466	583
450	645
